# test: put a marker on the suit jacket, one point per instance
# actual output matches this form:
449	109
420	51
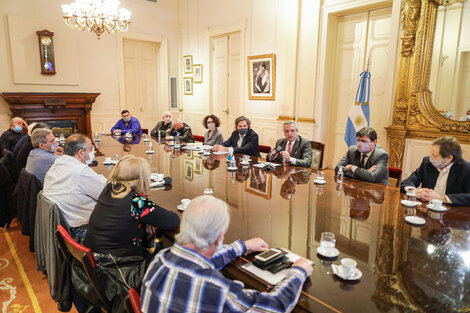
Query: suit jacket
379	158
458	181
162	129
250	144
302	151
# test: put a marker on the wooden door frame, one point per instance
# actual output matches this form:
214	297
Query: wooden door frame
227	30
163	86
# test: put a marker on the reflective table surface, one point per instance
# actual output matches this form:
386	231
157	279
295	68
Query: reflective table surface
405	267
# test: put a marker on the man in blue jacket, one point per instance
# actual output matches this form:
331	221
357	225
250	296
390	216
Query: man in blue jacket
127	124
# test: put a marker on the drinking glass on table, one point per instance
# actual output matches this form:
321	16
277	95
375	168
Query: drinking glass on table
327	240
208	191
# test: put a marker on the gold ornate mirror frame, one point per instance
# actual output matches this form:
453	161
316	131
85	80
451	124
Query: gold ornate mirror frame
414	115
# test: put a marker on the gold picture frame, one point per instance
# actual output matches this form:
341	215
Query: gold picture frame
260	187
262	77
198	165
188	64
188	85
197	73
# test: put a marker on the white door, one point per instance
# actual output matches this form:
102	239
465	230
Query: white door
358	36
225	80
140	80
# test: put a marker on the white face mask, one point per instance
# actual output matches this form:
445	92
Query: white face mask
91	156
126	119
438	163
167	120
363	147
211	126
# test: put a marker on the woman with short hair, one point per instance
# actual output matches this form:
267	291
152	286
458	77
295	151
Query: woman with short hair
213	136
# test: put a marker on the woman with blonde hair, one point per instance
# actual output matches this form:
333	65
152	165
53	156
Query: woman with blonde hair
123	212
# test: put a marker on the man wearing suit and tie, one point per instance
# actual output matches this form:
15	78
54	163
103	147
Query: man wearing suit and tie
366	161
292	149
243	140
443	175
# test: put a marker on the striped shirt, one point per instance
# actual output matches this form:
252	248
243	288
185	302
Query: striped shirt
181	280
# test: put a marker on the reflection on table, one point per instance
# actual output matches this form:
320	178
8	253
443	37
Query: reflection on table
405	268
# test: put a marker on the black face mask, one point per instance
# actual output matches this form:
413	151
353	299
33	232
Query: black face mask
243	131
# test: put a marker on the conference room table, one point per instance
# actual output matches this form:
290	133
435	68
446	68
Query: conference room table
405	268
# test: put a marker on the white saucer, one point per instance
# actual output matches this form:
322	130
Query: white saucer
415	220
171	144
150	152
319	181
157	184
441	209
410	204
180	207
220	152
206	153
108	163
146	140
338	270
328	252
232	168
245	163
97	139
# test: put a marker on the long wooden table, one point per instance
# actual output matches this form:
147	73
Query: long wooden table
405	268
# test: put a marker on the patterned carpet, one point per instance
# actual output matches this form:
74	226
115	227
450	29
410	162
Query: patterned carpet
22	287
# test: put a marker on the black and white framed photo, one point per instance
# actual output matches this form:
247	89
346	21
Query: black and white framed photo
262	77
188	64
188	85
197	72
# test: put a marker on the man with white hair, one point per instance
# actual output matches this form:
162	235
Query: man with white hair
180	130
12	135
185	277
46	151
163	127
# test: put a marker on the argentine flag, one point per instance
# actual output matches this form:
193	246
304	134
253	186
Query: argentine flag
358	116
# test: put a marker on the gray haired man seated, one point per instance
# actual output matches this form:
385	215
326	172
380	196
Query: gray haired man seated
185	277
46	151
292	149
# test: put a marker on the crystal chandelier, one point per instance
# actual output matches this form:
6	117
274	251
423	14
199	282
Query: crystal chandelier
97	16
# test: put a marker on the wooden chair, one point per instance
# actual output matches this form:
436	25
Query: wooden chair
132	302
317	156
145	131
198	138
395	174
264	149
84	257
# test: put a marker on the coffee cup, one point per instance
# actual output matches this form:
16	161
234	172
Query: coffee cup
348	266
435	203
107	160
185	203
159	177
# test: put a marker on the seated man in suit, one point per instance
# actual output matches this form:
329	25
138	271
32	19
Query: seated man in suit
127	124
443	175
163	127
180	130
243	140
366	161
292	149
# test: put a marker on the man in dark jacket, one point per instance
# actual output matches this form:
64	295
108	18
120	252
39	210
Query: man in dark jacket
182	131
443	175
243	140
292	149
12	135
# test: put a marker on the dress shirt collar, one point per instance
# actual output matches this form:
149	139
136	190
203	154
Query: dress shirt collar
191	255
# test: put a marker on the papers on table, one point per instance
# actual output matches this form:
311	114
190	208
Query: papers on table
219	152
267	276
266	165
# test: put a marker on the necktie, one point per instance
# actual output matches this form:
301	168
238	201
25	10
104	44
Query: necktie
363	158
289	147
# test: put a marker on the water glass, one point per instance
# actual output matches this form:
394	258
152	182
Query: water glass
327	240
208	191
116	158
411	196
320	175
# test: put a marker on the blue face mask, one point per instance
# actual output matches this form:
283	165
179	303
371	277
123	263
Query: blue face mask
18	128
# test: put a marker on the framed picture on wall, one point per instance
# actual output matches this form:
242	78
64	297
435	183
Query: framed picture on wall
188	85
197	72
262	77
188	64
259	183
188	170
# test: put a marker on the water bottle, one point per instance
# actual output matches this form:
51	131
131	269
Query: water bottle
159	136
230	155
340	175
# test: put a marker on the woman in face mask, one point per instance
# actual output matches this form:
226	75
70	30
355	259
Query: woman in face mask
212	136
